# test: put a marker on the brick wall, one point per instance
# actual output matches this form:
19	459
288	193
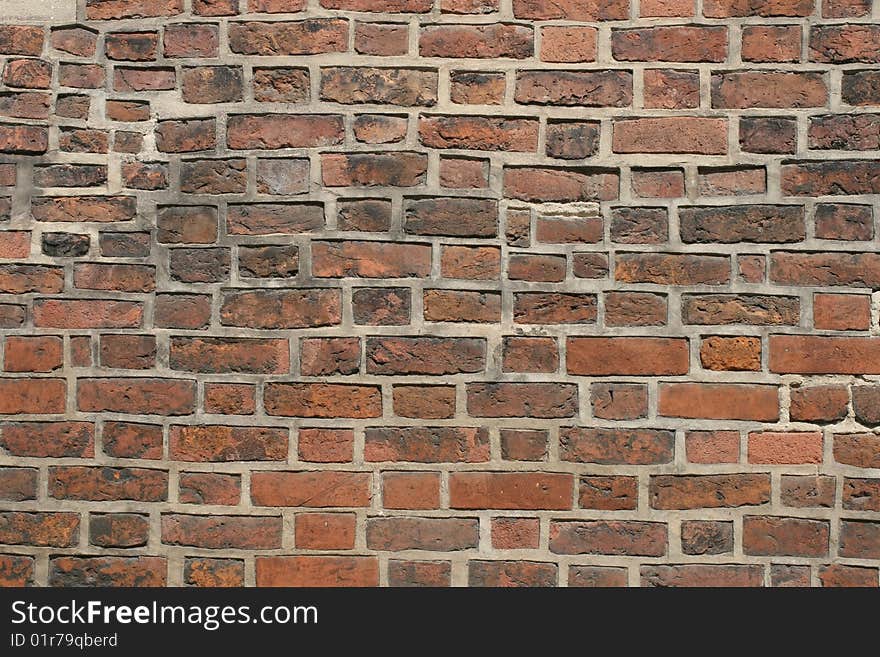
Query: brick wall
469	292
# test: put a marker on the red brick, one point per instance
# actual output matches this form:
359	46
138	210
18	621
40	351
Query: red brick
136	396
209	488
694	43
512	573
597	576
842	312
613	446
308	37
411	490
198	571
419	573
777	536
35	396
508	490
326	445
227	443
729	401
140	571
499	40
220	532
397	534
824	355
314	489
427	444
515	533
705	136
108	483
572	10
709	575
321	571
611	537
49	439
325	531
596	356
772	89
32	353
709	491
568	44
539	400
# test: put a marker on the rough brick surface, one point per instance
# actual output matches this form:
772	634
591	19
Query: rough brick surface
440	292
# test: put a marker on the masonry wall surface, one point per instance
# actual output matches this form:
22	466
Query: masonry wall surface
453	292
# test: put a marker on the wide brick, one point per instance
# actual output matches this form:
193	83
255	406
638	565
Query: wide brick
596	356
227	443
572	10
785	447
707	575
249	355
554	308
435	534
48	439
426	355
222	532
494	41
709	491
806	354
779	536
136	395
426	444
510	490
308	37
611	537
397	169
841	44
672	268
538	400
574	88
391	86
685	134
36	396
612	446
835	177
764	8
772	89
512	574
272	131
303	571
100	571
719	401
751	309
108	483
482	133
311	489
40	529
542	184
322	400
695	43
370	259
442	216
742	223
284	308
